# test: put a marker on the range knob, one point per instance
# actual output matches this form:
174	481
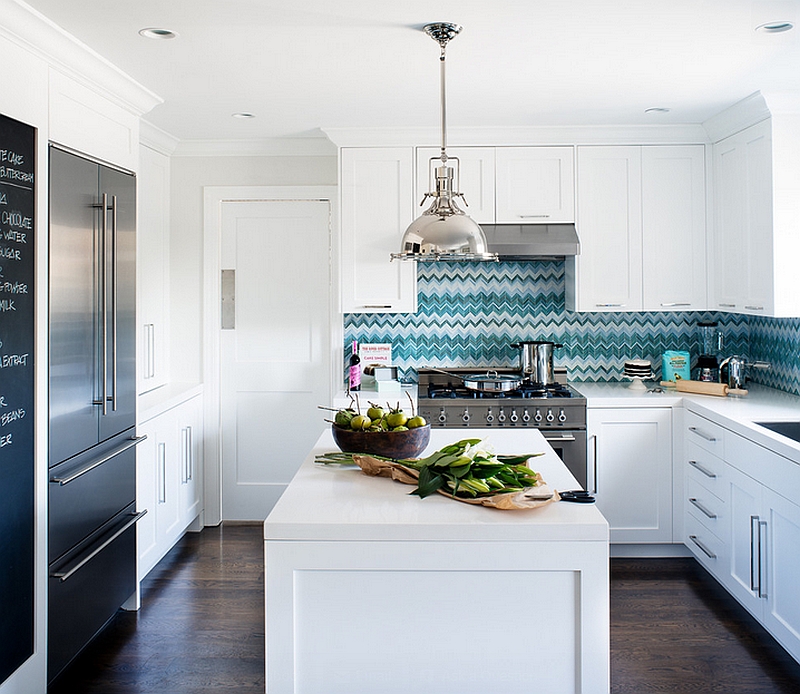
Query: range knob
562	416
442	416
489	416
465	416
538	416
514	417
550	416
526	417
502	416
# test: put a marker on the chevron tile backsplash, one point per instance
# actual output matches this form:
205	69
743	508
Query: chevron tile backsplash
470	314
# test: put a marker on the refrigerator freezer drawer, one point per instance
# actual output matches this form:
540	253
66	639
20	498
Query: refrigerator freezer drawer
88	490
87	588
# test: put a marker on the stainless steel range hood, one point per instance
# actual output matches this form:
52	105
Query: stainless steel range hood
532	241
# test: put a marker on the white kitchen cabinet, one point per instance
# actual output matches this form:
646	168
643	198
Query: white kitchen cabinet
377	190
641	223
476	179
168	467
630	471
152	269
764	538
535	185
607	275
742	240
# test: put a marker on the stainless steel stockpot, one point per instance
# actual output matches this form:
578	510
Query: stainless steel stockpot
536	361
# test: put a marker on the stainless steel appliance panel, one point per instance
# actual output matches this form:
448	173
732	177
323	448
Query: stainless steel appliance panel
74	282
570	446
87	490
87	588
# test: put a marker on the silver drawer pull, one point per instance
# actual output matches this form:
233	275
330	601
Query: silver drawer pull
707	473
705	550
702	434
64	575
673	304
609	305
560	437
754	308
129	443
703	509
533	216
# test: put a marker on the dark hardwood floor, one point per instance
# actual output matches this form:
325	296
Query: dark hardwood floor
201	629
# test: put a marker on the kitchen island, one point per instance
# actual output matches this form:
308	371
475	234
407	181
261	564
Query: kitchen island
373	591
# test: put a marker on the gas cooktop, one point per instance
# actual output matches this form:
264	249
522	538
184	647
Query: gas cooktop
434	385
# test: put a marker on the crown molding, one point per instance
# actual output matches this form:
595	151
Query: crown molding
266	147
749	111
32	31
155	138
520	136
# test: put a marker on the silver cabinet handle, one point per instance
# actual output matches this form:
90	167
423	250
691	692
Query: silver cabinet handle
190	467
707	473
64	575
377	306
187	454
533	216
610	305
755	568
708	514
762	542
705	550
673	304
754	308
129	443
594	464
162	473
702	434
721	305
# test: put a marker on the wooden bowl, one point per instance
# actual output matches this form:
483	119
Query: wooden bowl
388	444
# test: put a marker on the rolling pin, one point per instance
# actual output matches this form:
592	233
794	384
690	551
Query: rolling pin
701	387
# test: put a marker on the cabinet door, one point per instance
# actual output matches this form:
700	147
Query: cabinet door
673	228
153	269
745	569
147	484
608	271
535	184
377	188
476	178
742	240
633	471
782	608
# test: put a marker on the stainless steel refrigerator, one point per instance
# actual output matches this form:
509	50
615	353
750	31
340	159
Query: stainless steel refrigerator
92	400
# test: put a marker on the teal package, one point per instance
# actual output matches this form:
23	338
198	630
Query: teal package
675	365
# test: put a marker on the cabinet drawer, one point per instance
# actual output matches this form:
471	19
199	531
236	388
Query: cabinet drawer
705	434
705	468
705	545
706	507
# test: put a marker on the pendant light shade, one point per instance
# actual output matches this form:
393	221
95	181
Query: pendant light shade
443	231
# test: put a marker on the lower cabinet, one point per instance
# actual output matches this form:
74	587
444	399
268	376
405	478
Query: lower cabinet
630	471
167	479
740	528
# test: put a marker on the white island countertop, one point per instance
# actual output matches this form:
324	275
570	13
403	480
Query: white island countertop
341	503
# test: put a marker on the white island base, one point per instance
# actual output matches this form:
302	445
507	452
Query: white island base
372	591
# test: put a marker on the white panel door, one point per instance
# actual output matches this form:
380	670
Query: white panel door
275	360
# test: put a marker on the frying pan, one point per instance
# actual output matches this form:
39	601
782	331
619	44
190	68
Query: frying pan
490	382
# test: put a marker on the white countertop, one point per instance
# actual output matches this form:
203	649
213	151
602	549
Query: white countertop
336	503
738	414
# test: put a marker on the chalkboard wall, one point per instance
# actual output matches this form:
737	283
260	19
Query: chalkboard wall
17	204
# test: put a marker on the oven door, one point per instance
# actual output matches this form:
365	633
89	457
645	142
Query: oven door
570	446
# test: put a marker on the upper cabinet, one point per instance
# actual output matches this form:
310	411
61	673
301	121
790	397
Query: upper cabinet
509	185
641	222
535	185
376	208
755	242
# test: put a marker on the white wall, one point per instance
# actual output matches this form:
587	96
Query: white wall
189	175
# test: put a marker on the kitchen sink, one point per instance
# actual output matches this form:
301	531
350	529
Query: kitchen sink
790	430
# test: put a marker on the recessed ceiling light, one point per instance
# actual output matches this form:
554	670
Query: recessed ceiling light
657	109
775	27
156	33
243	115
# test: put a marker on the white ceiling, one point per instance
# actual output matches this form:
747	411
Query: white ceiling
302	65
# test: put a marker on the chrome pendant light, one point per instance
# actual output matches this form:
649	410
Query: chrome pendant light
443	231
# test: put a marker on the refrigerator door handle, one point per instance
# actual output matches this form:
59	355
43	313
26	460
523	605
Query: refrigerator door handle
103	206
114	285
130	443
65	574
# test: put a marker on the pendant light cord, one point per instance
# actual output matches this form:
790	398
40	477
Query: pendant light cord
444	106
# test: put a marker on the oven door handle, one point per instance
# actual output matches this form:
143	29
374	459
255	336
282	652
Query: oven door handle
560	437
